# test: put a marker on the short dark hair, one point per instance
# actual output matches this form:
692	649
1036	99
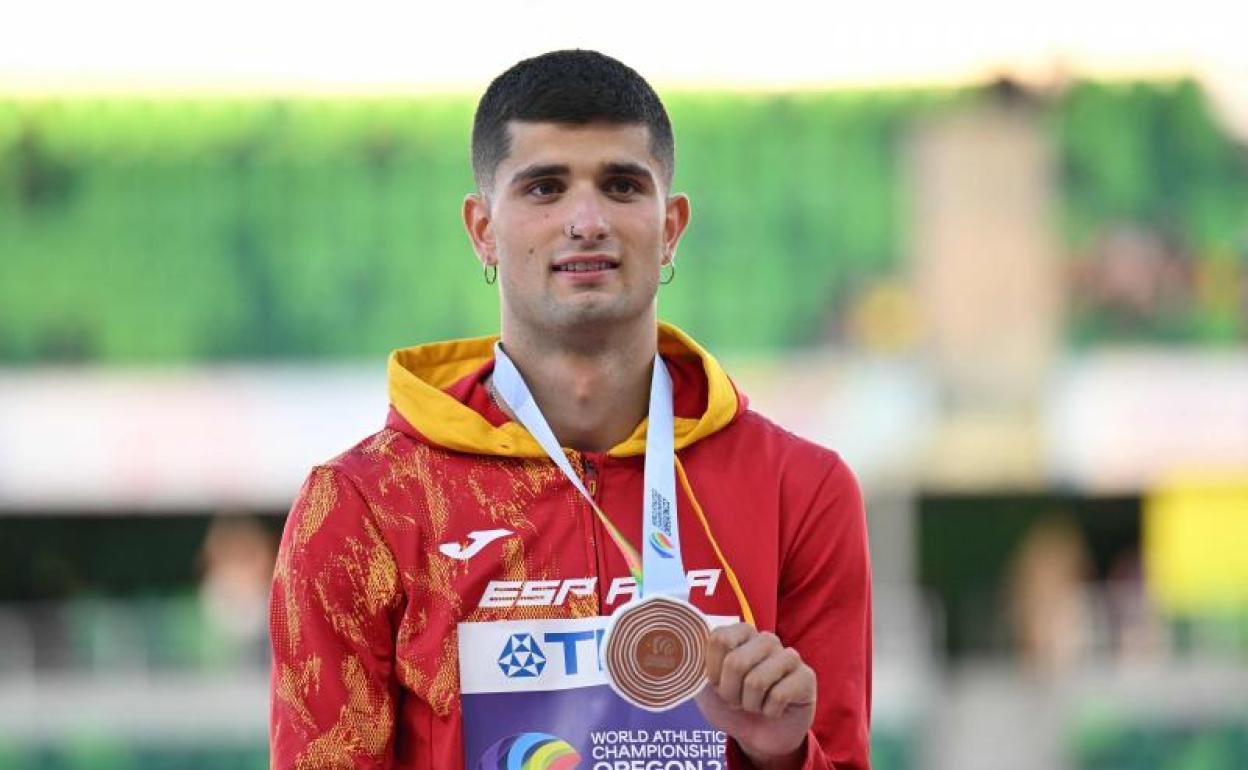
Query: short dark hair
571	86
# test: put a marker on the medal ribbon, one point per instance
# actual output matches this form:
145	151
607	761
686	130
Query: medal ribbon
660	570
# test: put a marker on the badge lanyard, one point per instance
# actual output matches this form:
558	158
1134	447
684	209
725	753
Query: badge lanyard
660	569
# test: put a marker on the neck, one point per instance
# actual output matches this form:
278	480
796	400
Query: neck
592	392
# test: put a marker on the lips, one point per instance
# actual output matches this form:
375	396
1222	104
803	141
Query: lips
586	263
584	267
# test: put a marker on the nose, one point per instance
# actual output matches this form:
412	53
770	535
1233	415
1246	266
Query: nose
587	222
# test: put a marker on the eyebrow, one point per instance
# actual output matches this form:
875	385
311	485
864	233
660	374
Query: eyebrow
539	170
630	169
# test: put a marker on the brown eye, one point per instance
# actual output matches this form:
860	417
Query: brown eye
622	186
545	188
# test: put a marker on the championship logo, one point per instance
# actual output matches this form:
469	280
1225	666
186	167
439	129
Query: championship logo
662	544
529	751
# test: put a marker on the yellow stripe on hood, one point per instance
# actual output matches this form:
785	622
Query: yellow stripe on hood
419	374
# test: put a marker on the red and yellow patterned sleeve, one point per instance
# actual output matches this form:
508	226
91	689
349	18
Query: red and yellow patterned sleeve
332	619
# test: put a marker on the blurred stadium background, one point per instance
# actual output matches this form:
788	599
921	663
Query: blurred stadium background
1014	295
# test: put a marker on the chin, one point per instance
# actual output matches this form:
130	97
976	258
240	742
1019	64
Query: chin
576	315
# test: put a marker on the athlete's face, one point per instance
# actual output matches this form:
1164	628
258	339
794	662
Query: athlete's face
578	223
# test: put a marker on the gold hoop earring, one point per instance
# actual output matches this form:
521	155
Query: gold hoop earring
491	274
670	276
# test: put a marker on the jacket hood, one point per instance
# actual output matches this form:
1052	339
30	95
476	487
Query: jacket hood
419	376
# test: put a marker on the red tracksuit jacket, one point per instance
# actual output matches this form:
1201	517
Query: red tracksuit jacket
366	600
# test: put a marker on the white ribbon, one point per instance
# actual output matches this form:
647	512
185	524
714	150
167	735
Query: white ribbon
662	571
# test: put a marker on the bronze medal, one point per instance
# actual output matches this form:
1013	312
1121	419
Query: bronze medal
654	652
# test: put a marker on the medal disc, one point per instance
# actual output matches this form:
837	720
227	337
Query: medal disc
654	652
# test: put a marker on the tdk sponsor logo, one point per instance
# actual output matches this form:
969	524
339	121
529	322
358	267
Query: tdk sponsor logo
521	657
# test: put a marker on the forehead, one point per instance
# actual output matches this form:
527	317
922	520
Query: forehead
578	144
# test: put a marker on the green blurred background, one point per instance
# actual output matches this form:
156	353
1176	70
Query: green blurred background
328	227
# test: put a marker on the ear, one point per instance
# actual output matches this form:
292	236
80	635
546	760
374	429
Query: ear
479	225
675	221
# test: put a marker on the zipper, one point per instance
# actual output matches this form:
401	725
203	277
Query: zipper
591	479
588	474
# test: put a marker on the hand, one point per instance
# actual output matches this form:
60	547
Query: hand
760	693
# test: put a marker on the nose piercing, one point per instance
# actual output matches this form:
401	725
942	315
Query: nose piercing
572	231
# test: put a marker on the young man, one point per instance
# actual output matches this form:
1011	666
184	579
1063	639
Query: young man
441	593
